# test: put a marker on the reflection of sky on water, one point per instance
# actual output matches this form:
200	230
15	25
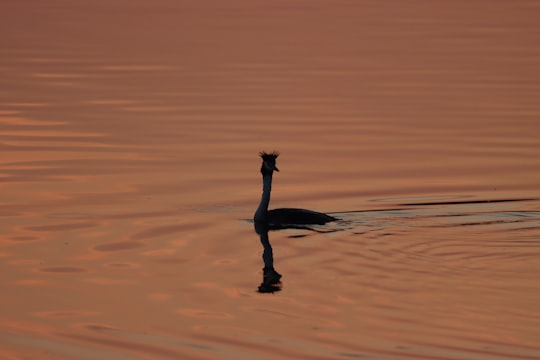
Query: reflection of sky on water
129	133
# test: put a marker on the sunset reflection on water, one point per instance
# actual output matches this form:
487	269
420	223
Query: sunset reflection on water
129	177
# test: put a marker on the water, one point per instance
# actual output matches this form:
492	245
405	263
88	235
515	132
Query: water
130	131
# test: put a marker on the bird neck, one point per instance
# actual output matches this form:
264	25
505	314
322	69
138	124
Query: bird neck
262	210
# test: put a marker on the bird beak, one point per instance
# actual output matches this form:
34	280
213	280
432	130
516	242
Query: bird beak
270	166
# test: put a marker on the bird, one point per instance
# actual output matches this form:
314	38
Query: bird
282	217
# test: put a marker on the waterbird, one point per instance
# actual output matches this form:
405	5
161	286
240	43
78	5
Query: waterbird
283	216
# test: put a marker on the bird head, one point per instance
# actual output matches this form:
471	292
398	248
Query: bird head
269	162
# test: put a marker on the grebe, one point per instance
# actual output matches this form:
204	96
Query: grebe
285	216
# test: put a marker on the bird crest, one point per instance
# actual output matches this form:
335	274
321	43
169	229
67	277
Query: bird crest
269	156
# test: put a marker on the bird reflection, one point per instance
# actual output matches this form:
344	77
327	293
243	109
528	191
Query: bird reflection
271	278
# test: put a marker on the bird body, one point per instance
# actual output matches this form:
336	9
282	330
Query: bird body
297	216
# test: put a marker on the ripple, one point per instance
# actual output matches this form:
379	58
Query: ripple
140	215
159	231
122	265
159	296
24	238
118	246
31	282
170	260
125	345
225	262
96	327
63	227
464	202
424	199
63	269
65	314
201	313
108	281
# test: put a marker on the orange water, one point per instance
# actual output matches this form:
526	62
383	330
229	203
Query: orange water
129	133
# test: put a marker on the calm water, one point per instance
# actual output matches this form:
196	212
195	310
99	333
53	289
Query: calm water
129	133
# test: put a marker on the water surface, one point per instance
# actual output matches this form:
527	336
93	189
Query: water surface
130	131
